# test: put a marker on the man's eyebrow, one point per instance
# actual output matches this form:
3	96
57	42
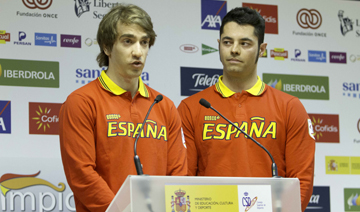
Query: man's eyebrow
133	36
242	39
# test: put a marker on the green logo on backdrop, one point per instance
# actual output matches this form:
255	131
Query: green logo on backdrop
352	199
207	49
29	73
303	87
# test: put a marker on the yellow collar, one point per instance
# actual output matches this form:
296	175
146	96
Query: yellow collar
256	90
109	85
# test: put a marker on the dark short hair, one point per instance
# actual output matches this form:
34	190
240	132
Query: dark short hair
121	14
244	16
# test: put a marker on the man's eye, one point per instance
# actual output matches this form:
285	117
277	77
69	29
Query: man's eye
145	42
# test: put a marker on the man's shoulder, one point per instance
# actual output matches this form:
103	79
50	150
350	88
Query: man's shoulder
280	95
87	91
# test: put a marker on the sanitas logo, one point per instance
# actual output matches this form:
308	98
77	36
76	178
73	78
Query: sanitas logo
303	87
317	56
207	49
326	127
5	117
44	118
29	73
212	12
44	201
351	89
4	37
45	39
194	80
270	15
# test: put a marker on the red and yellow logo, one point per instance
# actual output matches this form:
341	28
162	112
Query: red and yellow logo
44	118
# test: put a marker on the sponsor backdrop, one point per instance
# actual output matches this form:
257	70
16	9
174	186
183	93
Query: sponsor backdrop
48	49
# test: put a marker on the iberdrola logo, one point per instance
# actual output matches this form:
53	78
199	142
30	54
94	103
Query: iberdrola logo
10	182
275	84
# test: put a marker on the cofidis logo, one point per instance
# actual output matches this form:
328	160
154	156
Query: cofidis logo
320	200
317	56
212	12
303	87
326	127
25	192
45	39
269	13
44	118
5	117
29	73
194	80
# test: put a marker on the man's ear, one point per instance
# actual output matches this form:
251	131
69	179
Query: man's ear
262	48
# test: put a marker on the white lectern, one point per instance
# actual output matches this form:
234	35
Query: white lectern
207	194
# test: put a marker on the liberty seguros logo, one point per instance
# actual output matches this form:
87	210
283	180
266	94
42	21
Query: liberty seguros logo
44	118
81	7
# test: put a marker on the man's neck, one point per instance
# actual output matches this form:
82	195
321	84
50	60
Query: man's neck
128	84
239	83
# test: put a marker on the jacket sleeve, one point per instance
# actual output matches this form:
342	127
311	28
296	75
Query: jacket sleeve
300	149
77	144
188	128
177	163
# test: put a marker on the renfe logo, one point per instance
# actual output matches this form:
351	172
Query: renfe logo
212	12
338	57
5	117
44	118
45	39
317	56
269	13
320	200
326	127
194	80
73	41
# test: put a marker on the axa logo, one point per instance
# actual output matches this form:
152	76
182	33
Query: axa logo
309	18
18	187
4	37
81	7
44	118
37	4
212	12
270	15
5	116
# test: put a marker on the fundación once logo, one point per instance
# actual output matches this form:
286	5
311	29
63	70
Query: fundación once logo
44	118
5	117
194	80
317	56
337	57
37	4
29	73
351	89
309	18
27	192
4	37
269	13
45	39
301	86
319	200
73	41
212	12
326	127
